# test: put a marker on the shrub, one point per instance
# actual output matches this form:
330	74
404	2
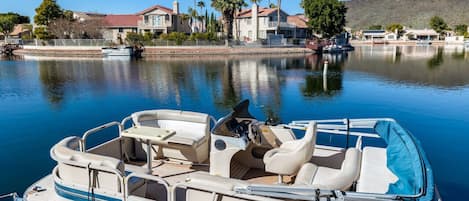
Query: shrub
179	37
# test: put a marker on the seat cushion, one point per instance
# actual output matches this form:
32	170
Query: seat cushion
375	177
187	133
329	178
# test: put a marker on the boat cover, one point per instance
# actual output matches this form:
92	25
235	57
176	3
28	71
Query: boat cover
406	159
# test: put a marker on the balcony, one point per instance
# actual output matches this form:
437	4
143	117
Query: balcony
273	24
151	25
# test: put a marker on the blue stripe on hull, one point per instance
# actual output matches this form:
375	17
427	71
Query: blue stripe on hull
78	195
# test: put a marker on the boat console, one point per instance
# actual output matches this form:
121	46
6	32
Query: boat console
231	134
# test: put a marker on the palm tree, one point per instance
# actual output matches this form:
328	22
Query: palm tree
255	2
193	15
201	5
228	9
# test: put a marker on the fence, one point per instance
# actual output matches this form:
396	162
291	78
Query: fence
167	43
68	42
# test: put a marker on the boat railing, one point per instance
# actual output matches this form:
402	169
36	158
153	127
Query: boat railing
83	140
344	127
148	178
120	175
14	196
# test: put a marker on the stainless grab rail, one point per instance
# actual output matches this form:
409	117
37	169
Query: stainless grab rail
94	130
12	195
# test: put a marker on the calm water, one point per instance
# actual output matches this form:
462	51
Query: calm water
425	88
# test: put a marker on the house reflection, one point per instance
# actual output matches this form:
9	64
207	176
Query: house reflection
422	65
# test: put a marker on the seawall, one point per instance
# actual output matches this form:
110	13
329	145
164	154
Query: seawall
70	51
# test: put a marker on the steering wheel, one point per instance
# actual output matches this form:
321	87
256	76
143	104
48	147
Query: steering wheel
254	134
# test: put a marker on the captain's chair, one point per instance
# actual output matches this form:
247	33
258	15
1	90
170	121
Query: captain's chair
291	155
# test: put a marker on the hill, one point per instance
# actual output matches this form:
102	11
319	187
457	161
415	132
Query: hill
410	13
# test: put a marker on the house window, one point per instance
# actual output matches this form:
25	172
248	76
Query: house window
121	30
262	34
249	21
249	34
146	19
158	20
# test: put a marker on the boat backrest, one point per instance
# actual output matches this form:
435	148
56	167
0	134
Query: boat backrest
73	166
197	124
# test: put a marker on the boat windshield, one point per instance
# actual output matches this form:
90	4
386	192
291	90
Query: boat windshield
406	159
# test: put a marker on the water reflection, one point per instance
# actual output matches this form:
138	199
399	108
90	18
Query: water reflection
324	82
370	82
445	67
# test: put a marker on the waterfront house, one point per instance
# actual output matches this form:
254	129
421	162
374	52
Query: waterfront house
300	21
421	34
159	19
156	19
116	27
246	24
378	35
373	34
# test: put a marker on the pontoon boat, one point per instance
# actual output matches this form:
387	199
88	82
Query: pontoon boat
180	155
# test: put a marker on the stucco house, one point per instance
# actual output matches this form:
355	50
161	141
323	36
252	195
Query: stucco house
156	19
245	25
421	34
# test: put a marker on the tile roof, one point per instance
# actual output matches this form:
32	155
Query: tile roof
299	21
121	20
164	9
263	12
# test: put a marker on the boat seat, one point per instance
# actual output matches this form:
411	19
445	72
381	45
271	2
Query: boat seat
375	177
326	178
73	166
296	152
191	140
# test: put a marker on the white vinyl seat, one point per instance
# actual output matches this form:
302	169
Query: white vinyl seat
191	140
73	168
291	155
375	177
326	178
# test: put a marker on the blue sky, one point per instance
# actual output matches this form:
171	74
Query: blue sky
26	7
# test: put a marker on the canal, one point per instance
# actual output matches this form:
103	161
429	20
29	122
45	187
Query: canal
425	88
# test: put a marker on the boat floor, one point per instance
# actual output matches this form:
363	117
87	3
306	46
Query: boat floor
174	172
177	171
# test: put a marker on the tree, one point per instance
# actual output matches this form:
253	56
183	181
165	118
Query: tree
376	27
397	28
7	24
438	24
461	29
326	17
228	8
48	11
20	19
193	16
41	33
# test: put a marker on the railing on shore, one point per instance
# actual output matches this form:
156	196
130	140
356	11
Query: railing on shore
167	43
68	42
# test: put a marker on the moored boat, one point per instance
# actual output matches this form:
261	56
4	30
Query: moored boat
117	51
174	155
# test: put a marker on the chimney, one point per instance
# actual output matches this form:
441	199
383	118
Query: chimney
255	26
176	7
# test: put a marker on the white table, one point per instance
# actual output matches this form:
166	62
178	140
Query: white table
151	135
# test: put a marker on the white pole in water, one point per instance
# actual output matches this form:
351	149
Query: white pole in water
324	75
